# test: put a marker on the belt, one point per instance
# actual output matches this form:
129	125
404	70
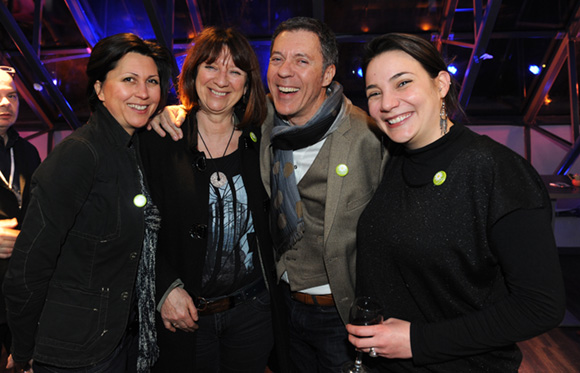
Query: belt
209	306
316	300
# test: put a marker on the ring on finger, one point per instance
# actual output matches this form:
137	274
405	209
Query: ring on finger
372	352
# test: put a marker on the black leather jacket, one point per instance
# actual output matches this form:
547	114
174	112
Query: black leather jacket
71	279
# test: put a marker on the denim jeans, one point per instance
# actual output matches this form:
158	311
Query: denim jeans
318	337
236	340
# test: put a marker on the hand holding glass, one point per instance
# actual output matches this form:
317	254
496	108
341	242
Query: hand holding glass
364	311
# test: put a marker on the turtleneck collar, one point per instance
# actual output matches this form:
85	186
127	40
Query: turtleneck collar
420	165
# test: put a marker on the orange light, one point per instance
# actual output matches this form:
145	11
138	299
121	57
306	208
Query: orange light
364	28
425	26
547	100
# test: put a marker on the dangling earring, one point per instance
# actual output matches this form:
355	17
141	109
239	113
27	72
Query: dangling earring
443	118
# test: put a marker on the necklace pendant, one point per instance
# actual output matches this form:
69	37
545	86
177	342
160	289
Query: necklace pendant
218	179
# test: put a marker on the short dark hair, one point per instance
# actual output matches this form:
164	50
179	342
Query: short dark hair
422	51
207	47
328	44
107	53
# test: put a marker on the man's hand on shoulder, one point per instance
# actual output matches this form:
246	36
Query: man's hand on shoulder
169	121
8	235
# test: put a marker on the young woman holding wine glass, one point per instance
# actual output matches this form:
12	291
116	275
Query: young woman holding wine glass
457	243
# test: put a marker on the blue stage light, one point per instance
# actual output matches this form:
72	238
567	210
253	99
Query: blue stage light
535	69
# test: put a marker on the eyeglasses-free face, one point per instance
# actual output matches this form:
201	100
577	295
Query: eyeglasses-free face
8	99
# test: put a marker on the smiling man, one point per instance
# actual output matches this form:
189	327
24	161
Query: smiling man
18	160
322	163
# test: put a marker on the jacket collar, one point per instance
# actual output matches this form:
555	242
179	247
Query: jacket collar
113	131
13	137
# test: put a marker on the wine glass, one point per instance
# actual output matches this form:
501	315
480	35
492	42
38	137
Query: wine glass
364	311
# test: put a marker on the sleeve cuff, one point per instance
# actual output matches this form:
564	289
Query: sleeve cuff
176	284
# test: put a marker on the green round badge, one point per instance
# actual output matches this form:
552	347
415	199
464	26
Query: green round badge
439	178
253	137
342	170
140	200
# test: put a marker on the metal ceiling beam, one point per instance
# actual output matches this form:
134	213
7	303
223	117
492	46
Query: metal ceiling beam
37	34
36	66
573	87
164	30
477	18
554	66
85	20
569	159
448	16
25	93
480	46
536	100
195	16
571	156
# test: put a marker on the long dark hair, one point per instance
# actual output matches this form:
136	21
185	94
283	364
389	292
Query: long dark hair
423	52
208	46
107	53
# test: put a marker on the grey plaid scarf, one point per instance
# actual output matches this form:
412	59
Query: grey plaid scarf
287	222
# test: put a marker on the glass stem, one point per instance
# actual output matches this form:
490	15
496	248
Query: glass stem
358	361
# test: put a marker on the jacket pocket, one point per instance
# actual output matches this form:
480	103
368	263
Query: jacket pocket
72	319
99	219
360	201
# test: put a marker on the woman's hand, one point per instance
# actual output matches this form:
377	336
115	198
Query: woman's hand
391	339
19	367
169	121
179	312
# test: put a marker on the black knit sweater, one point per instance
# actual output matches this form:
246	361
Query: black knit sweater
471	262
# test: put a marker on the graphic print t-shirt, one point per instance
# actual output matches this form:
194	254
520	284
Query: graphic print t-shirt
231	258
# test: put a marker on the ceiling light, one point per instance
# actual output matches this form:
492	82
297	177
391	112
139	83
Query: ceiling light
535	69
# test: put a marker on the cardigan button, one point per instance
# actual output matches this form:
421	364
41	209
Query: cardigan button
125	295
133	255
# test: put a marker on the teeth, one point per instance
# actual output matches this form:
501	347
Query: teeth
138	107
398	119
218	93
288	89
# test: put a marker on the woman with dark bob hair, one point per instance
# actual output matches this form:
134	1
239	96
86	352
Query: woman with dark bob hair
214	260
456	244
80	283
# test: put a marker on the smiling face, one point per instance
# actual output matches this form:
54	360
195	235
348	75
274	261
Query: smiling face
8	102
131	91
220	85
296	78
404	100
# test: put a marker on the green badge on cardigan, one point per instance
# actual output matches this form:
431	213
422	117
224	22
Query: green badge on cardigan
439	178
253	137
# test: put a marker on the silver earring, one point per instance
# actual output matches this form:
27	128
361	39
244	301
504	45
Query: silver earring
443	118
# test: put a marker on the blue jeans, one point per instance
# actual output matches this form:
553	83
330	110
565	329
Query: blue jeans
318	337
236	340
